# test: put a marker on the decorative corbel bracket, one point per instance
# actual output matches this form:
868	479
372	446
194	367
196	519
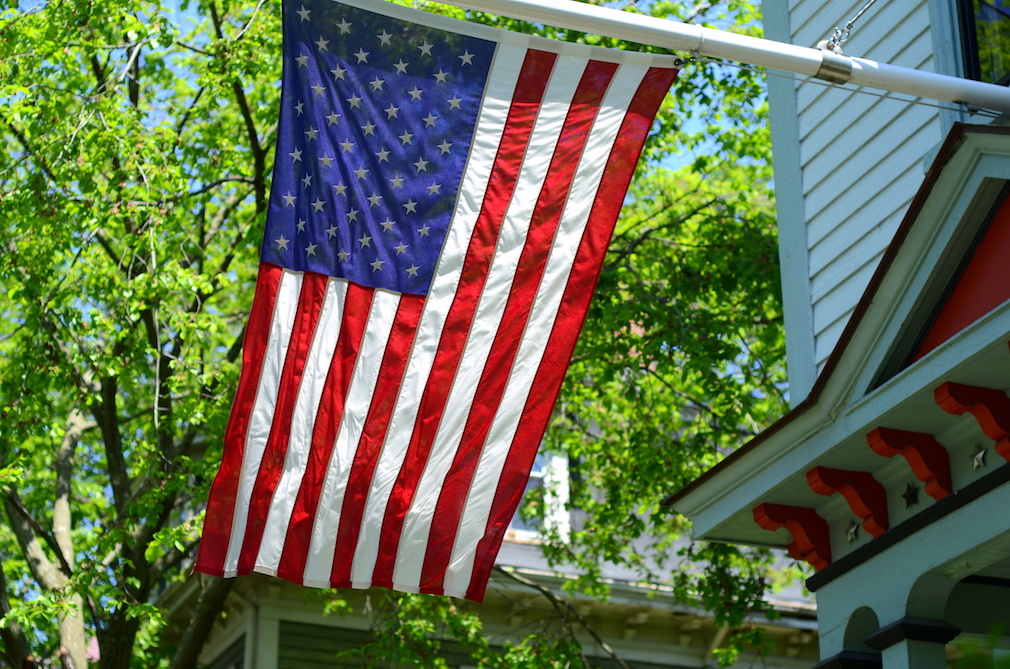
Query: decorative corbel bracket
865	495
989	406
811	538
925	455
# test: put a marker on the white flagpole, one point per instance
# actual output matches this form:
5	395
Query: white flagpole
818	63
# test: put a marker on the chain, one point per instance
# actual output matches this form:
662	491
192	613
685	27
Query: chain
842	34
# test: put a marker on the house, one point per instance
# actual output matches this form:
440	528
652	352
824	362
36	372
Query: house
273	624
888	475
270	623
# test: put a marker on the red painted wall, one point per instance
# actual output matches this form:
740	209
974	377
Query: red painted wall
983	286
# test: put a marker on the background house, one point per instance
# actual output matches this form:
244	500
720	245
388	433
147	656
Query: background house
270	623
888	476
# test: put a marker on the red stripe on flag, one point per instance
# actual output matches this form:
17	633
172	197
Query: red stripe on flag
523	111
574	307
310	303
357	302
380	410
546	216
221	502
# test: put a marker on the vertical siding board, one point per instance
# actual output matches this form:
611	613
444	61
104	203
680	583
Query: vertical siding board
793	254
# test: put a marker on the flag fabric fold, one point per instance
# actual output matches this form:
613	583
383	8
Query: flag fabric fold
442	200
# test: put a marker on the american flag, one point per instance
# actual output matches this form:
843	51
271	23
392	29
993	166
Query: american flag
442	200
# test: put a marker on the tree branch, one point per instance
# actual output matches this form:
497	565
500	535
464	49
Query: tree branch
259	155
76	424
104	410
27	531
564	610
132	72
245	28
73	649
170	560
45	573
209	187
702	406
208	608
97	69
189	112
222	214
26	145
623	253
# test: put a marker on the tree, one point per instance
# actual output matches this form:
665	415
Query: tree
128	240
137	139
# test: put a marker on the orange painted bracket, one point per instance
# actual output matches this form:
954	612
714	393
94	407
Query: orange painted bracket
989	406
865	495
811	539
925	455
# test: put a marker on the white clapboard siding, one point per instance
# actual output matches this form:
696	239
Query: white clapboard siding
861	156
870	232
835	207
825	107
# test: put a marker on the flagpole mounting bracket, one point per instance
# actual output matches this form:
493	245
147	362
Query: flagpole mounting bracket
835	67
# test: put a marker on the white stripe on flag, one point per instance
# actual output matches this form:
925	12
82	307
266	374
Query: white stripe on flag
286	306
359	393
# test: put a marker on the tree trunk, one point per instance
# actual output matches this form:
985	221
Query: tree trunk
73	643
16	650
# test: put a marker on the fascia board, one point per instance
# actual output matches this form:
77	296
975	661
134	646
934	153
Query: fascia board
731	488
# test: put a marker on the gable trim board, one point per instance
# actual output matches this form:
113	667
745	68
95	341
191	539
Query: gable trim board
949	263
793	252
861	386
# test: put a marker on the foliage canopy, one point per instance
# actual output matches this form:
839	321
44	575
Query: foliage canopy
137	142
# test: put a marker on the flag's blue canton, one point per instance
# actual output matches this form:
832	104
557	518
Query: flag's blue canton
377	116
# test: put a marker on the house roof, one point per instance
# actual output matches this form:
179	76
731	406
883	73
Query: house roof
872	378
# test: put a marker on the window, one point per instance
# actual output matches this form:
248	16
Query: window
550	471
233	658
985	30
